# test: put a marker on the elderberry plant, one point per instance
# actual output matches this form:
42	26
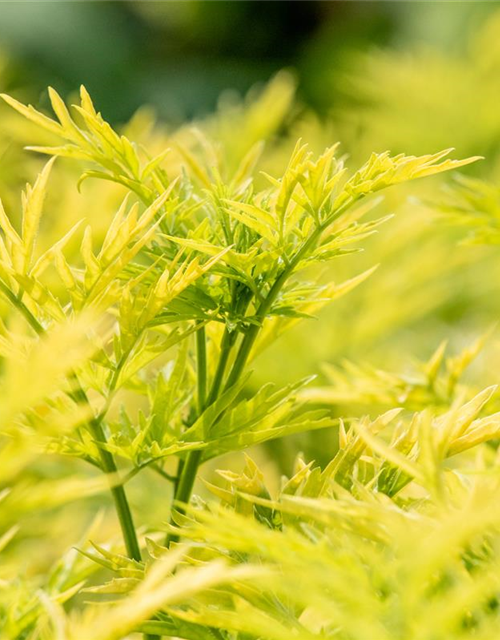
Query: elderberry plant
199	270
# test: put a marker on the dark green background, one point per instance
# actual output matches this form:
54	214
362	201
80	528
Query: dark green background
179	56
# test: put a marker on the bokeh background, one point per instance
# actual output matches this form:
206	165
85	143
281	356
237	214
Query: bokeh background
179	56
413	77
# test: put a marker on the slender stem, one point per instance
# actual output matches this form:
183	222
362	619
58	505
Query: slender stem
201	363
227	343
264	307
189	469
109	467
253	331
178	475
108	463
162	473
22	308
118	493
185	487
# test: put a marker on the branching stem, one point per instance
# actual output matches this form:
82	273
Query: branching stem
189	470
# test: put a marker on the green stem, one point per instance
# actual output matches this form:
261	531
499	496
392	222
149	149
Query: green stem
118	493
227	343
178	475
187	471
185	487
201	363
190	467
264	307
252	333
108	463
22	308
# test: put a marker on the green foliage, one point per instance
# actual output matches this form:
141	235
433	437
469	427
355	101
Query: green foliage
422	94
474	205
435	383
128	348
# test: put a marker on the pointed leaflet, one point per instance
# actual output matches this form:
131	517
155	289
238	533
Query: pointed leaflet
32	211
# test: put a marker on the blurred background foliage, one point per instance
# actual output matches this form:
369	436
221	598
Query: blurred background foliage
180	56
406	76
